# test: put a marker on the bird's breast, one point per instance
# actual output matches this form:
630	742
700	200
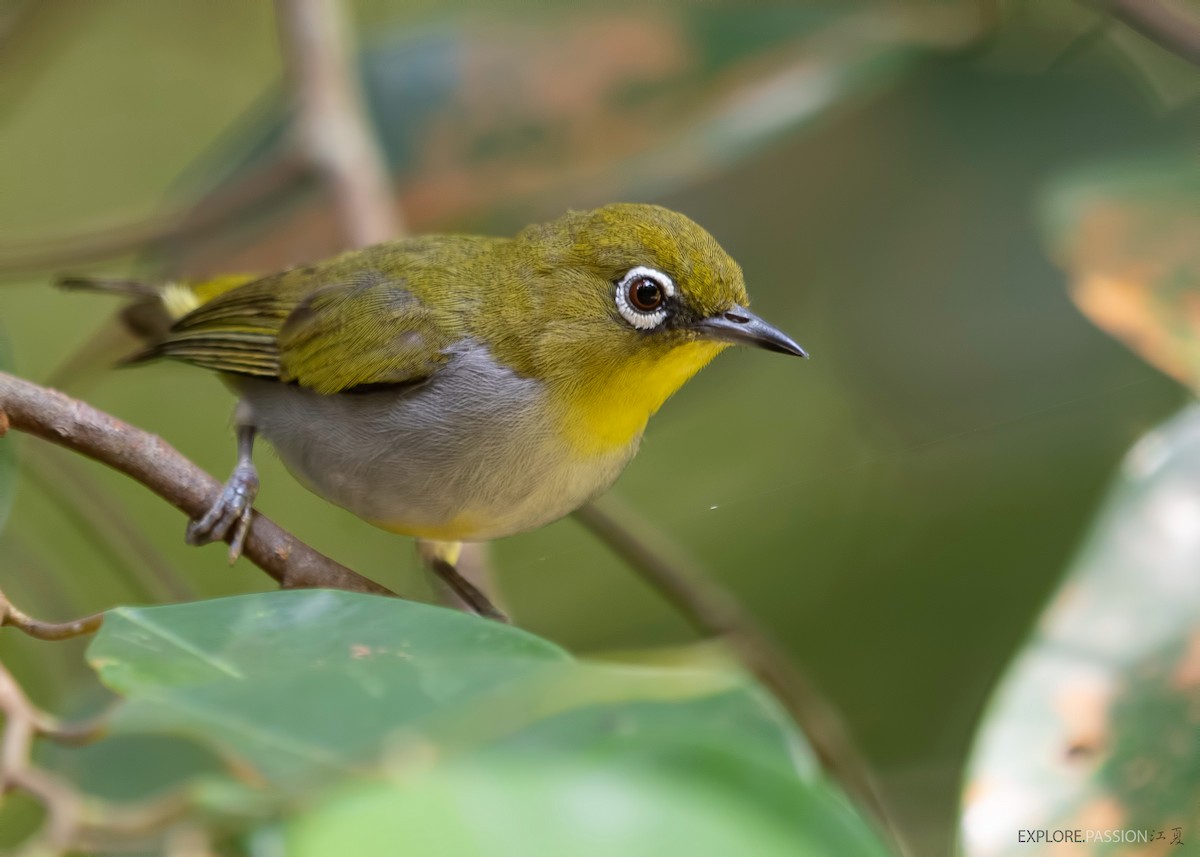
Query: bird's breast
476	452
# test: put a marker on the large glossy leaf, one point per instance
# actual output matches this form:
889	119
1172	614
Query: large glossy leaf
371	670
1127	234
302	684
662	714
544	808
1097	724
296	689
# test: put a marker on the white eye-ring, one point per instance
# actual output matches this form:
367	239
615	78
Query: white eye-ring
642	297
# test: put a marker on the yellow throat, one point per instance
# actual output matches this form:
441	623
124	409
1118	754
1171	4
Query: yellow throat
609	408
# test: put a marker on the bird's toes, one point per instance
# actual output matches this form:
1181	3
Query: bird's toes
229	517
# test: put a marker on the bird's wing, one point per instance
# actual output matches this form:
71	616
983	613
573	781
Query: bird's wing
328	337
339	338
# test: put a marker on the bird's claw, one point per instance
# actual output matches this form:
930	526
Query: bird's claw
229	518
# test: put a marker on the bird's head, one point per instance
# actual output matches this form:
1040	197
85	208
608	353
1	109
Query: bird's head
632	300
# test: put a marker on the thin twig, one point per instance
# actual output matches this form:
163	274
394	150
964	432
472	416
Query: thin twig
12	698
1159	23
134	819
17	770
20	725
76	733
11	616
711	610
332	129
148	459
70	815
188	223
333	132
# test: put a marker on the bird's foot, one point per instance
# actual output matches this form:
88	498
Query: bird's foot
229	518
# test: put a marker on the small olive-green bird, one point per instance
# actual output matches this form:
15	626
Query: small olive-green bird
459	388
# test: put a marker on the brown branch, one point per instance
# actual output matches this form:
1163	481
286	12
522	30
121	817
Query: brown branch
332	128
148	459
711	610
1159	23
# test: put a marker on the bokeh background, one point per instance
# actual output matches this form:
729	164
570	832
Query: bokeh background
896	511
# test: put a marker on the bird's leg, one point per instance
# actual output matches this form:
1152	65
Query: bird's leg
442	559
232	511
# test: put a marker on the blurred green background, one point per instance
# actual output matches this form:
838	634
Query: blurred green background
896	510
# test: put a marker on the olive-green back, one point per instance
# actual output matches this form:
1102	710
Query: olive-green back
383	315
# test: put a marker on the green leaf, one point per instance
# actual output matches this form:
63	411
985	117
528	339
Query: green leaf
1097	723
294	683
303	688
126	767
300	684
663	715
536	806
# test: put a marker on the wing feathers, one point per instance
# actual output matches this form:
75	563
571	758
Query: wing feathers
327	337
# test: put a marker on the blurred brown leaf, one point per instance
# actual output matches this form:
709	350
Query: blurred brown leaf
1130	241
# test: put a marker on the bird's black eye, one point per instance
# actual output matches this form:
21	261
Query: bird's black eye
645	294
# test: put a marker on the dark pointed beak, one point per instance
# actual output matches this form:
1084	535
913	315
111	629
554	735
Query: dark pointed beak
742	327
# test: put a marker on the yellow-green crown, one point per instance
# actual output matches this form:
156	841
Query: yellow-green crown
617	237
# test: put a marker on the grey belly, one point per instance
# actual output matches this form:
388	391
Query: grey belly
474	447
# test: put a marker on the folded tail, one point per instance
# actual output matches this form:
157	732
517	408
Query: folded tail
132	288
156	306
